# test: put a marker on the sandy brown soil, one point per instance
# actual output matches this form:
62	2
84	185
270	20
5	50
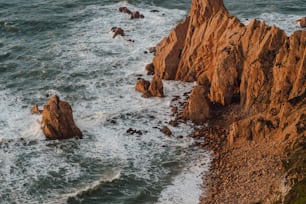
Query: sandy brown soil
245	174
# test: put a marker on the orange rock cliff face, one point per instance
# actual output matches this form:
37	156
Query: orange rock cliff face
255	72
256	65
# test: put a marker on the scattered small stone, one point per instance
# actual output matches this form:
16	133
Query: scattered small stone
132	131
166	131
124	9
142	86
130	40
117	31
173	123
136	15
174	110
154	11
175	98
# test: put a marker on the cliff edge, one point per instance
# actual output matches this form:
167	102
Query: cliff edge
251	82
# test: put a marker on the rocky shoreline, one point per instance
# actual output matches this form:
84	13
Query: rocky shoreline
250	93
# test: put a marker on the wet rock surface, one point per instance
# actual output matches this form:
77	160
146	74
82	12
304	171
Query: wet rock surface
57	120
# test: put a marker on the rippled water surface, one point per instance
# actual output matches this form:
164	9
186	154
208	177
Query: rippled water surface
66	48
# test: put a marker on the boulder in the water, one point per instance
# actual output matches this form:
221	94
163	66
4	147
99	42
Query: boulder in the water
57	120
117	31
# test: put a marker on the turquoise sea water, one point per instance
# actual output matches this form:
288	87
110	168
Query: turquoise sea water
66	48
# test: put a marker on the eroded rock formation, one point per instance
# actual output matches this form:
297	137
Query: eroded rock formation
254	72
155	88
57	120
198	106
256	65
117	31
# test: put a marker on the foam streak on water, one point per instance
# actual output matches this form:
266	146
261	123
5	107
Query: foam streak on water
80	62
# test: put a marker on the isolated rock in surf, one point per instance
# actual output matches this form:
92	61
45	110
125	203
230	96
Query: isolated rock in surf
154	88
124	9
117	31
142	86
57	120
302	22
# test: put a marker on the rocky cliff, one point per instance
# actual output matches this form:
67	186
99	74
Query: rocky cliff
251	79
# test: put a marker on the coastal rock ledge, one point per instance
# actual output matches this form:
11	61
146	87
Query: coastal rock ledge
252	84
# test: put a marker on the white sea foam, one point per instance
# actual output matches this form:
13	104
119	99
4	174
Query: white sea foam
105	106
285	22
188	186
106	177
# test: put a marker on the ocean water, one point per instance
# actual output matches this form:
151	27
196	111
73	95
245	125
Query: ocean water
66	48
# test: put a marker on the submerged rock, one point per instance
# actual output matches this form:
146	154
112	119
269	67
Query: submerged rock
166	131
124	9
136	15
117	31
57	120
155	88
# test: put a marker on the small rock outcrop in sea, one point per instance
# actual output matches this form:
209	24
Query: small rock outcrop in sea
166	131
302	22
155	88
136	15
251	82
57	120
117	31
133	15
124	9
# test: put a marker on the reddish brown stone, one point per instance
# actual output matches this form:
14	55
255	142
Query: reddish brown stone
124	9
156	87
57	120
117	31
136	14
150	69
198	107
142	86
302	22
35	110
166	131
